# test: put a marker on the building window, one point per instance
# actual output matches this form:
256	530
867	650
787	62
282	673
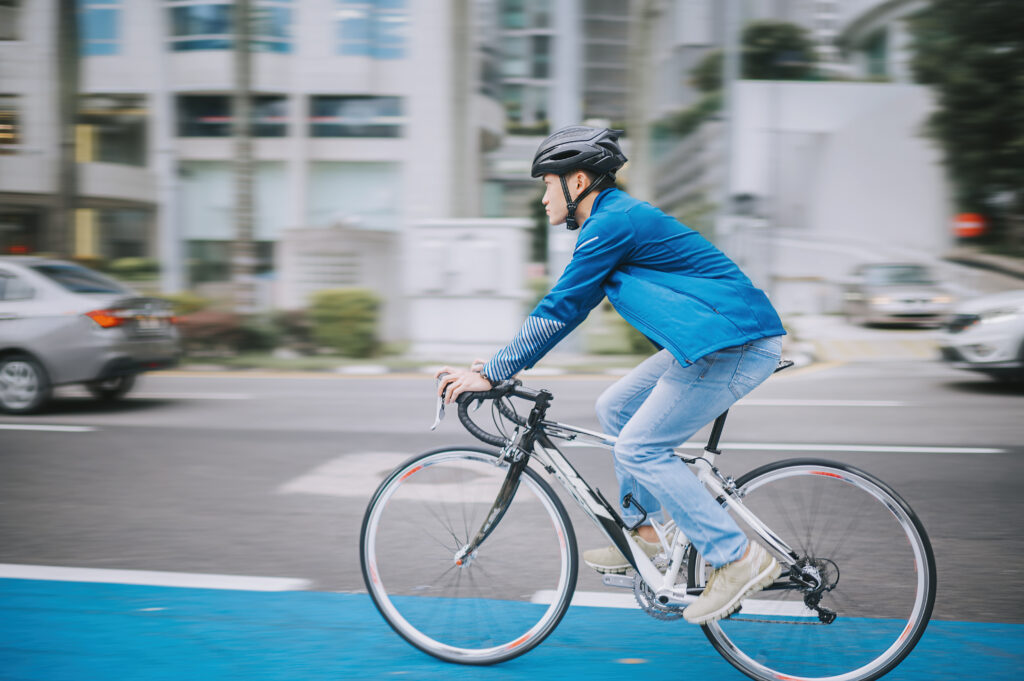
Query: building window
211	116
525	14
210	26
111	129
9	14
98	27
204	116
10	126
877	53
332	116
372	28
270	116
359	194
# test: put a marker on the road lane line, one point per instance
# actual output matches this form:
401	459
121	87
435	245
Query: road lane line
804	447
778	402
46	427
626	601
896	449
152	578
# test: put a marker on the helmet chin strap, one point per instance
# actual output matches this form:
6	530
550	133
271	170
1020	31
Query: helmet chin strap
570	219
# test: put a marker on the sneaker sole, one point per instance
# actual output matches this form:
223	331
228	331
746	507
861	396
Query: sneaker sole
758	583
605	570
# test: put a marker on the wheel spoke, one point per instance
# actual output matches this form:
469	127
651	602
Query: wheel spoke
471	612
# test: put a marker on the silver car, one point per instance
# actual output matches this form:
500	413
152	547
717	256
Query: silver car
895	293
987	334
62	323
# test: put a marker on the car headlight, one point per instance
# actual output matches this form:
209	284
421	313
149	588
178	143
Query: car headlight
880	300
1000	314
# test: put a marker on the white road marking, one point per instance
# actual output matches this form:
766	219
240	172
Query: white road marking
626	601
353	475
76	391
358	475
46	427
152	578
895	449
805	447
747	402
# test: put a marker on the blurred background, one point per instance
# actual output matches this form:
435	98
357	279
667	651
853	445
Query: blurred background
339	177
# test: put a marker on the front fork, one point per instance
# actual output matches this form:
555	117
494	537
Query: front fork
517	459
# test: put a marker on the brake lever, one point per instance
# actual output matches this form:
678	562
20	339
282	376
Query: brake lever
438	406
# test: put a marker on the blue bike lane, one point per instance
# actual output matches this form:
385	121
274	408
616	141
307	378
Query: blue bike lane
78	631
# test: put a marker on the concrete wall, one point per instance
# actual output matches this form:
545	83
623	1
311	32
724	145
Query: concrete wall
844	175
465	285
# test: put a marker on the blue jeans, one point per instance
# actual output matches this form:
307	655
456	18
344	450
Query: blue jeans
661	404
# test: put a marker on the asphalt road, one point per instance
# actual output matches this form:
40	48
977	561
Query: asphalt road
268	475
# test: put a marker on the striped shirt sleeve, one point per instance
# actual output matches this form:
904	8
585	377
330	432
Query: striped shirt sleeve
525	349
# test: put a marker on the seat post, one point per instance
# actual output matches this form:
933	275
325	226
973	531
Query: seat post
716	433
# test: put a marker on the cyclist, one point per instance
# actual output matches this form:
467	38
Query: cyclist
718	335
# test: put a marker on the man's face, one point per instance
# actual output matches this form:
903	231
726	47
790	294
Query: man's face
554	197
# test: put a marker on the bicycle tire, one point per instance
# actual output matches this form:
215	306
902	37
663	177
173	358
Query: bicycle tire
505	600
862	535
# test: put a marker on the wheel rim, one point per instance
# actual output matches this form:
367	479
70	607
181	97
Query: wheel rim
19	384
494	607
883	592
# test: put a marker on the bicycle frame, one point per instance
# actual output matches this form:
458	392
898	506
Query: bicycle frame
604	515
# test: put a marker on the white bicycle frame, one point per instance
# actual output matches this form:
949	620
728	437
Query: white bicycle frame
663	585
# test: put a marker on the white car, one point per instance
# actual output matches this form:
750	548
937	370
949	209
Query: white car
61	323
986	334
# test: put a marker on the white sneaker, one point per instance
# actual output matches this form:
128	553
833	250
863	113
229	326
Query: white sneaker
730	584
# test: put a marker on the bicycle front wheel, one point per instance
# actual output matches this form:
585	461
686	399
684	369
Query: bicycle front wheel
875	565
506	597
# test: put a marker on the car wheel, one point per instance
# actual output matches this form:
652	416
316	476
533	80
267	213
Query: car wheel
24	385
111	389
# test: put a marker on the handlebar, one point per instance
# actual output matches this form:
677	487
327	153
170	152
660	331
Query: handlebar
509	388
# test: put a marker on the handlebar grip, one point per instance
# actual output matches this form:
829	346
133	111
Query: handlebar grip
475	430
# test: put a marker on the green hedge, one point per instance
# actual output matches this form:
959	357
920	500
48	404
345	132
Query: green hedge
346	320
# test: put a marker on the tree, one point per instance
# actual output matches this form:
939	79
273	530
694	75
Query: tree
772	50
776	50
972	54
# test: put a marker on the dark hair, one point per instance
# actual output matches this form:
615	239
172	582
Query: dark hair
600	182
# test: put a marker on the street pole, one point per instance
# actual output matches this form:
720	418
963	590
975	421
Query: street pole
243	258
60	239
730	74
644	13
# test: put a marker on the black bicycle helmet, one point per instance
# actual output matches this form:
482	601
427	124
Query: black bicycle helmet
579	147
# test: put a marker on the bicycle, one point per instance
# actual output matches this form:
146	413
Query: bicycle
470	555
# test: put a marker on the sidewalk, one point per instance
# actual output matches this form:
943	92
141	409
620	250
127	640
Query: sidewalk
830	338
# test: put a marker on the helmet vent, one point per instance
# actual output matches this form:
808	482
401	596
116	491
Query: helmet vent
561	156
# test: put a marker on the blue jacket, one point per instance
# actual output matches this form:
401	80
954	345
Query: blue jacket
664	278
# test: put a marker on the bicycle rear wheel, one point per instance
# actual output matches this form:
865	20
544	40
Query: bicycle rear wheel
507	597
876	565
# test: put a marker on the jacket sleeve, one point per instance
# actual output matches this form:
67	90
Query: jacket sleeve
601	246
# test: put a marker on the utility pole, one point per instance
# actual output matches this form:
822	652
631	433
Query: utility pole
60	239
644	14
243	255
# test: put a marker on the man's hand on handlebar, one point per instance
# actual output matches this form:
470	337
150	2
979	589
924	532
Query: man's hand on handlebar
458	381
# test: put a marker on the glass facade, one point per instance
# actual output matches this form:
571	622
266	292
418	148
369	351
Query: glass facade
10	125
347	116
112	129
210	26
10	11
211	116
99	27
372	28
359	193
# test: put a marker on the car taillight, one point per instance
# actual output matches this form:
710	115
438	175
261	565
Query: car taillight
106	318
